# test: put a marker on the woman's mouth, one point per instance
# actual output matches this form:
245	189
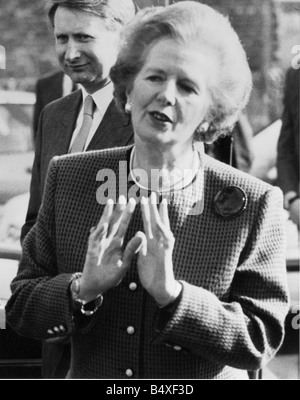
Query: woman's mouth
76	66
161	117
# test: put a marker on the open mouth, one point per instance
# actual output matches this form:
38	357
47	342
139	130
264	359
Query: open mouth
76	66
161	117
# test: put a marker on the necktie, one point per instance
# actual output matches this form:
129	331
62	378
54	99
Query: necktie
74	87
82	135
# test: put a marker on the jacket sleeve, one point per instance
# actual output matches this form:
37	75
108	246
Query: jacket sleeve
35	198
245	330
39	304
39	105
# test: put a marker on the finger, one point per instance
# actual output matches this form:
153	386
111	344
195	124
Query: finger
117	216
158	227
126	218
154	214
100	231
146	217
98	234
142	250
163	212
132	248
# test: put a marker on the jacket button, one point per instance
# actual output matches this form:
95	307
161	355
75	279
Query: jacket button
129	373
177	348
133	286
50	332
130	330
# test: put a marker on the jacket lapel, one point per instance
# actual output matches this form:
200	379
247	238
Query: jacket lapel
113	131
66	119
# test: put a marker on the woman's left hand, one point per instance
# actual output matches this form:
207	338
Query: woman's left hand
155	266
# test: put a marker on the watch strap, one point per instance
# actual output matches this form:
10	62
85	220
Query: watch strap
87	309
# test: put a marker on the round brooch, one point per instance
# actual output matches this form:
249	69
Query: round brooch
230	202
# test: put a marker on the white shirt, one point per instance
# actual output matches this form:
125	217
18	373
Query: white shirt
67	85
102	99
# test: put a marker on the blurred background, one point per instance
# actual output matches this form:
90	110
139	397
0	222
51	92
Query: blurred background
269	31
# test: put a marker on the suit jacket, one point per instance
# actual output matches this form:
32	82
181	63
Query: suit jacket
235	149
56	126
48	89
231	314
288	142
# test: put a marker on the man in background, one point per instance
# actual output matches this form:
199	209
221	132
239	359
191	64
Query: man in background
235	149
87	42
288	146
49	88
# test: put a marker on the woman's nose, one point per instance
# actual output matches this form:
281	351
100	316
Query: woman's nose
72	51
168	93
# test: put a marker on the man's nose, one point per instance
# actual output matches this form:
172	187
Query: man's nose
168	93
72	51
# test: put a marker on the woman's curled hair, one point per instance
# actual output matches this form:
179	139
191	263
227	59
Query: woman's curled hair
190	22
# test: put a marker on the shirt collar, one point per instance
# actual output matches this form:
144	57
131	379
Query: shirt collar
102	97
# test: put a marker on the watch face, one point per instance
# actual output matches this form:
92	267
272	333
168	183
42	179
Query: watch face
91	307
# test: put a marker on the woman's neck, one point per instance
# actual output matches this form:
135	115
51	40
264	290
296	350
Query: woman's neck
163	168
149	157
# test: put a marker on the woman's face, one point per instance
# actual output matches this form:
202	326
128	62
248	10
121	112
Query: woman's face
169	94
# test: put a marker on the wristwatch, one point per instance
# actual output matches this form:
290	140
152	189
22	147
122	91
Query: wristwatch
86	309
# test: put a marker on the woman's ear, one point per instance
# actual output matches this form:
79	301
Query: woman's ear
128	107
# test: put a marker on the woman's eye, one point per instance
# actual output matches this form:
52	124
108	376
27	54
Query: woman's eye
154	78
188	88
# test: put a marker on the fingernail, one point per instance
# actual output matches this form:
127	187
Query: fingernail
122	199
153	198
132	204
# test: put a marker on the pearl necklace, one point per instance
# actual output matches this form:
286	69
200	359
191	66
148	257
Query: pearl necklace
167	177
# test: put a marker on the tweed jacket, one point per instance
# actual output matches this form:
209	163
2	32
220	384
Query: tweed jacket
231	315
288	142
56	126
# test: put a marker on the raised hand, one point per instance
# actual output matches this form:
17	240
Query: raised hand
106	264
155	266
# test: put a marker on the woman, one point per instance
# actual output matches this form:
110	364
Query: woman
192	288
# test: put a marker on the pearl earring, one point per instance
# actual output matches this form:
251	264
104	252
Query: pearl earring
128	107
203	127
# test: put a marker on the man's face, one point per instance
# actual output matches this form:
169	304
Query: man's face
85	48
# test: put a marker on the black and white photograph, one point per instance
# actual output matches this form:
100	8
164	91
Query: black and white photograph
149	192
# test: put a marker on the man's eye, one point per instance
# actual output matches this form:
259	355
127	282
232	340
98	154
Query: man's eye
84	38
61	39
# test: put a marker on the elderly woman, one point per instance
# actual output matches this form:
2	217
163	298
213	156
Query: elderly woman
192	287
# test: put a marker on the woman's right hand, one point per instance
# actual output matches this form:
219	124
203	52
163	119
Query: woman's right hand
105	263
